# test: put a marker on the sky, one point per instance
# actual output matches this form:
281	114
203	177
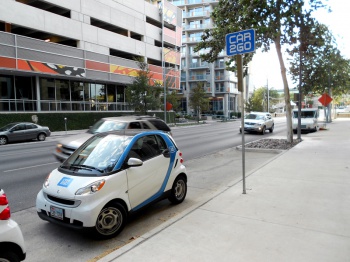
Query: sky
265	69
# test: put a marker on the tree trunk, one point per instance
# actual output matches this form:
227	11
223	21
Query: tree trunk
286	91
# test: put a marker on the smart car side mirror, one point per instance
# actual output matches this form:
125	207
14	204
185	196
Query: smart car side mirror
134	162
166	153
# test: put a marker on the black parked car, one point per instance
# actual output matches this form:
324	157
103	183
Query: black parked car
23	131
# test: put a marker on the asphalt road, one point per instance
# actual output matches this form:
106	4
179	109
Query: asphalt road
24	167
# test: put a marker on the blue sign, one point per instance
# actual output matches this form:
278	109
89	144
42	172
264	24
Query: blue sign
240	42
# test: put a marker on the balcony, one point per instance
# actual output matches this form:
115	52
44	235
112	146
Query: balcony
193	14
199	65
191	40
193	2
198	77
198	27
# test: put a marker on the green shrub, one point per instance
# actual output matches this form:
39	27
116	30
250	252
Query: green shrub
75	121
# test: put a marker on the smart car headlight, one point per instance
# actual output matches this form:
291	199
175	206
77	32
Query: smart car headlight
47	181
92	188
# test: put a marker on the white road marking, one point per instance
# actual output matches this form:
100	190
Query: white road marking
11	170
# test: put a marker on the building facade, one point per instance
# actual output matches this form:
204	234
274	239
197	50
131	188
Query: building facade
220	84
64	55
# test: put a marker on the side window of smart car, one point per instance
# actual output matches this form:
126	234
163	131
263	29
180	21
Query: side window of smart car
143	149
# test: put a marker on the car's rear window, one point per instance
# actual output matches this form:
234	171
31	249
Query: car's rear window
160	125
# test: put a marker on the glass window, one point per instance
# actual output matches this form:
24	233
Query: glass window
120	94
47	89
143	148
47	94
134	125
63	94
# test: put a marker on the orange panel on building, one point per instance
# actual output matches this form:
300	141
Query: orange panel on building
7	62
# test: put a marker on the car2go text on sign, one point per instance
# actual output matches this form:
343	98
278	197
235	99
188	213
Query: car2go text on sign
240	42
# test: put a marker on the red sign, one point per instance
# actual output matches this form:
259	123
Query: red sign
168	106
325	99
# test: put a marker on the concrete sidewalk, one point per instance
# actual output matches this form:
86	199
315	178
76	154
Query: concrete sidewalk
297	208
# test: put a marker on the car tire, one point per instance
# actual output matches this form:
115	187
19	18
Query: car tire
41	137
263	130
3	140
272	127
179	190
110	221
9	256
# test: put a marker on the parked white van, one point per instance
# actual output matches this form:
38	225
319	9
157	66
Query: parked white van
309	120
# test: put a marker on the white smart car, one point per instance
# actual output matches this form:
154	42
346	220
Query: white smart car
110	176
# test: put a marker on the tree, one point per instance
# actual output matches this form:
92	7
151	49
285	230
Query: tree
323	67
258	100
143	94
173	99
198	100
274	21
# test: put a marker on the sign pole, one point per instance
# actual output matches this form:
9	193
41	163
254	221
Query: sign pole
239	43
240	88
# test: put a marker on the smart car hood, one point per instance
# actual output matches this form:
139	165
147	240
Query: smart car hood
65	186
76	140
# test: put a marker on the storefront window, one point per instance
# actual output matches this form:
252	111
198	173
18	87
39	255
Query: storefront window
25	93
47	94
63	95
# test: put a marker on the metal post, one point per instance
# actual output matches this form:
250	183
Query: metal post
299	97
163	62
65	124
240	88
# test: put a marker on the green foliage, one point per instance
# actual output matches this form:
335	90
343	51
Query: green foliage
198	100
143	95
75	121
323	66
258	100
173	99
274	21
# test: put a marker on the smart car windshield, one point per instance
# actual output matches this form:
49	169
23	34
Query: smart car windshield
98	156
106	125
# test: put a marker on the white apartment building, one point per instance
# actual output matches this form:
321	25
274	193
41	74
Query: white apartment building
220	84
70	55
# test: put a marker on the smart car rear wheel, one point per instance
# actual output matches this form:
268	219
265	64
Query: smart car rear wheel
179	190
3	140
41	137
9	256
111	221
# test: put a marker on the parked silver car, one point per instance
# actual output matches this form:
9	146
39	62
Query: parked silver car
68	145
258	122
23	131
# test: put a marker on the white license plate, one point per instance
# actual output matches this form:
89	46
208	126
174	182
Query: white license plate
56	212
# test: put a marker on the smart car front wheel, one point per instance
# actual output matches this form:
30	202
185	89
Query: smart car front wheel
9	256
179	190
110	221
